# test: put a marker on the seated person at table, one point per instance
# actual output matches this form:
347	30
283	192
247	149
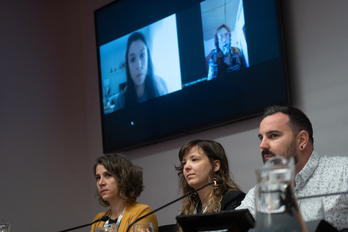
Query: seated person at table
202	161
287	131
224	58
119	183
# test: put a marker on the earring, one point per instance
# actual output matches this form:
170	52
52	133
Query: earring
301	147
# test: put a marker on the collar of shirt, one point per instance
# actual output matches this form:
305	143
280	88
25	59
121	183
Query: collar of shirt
307	171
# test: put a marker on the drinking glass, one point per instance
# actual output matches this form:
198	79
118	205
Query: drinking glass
143	227
4	226
276	206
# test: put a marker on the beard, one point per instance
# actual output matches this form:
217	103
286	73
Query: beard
289	152
266	152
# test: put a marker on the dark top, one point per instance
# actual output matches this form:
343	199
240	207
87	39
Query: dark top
218	66
112	221
230	200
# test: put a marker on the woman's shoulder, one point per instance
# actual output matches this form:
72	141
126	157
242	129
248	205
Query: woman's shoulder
138	206
100	223
232	199
120	99
136	210
101	214
161	85
233	193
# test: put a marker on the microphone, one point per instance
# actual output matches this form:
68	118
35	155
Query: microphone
104	219
215	183
218	182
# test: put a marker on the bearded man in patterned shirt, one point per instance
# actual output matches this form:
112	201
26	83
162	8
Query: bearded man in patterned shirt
287	131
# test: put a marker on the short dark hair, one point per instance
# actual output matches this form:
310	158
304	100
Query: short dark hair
298	120
128	176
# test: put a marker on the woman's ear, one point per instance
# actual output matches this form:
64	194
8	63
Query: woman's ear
216	166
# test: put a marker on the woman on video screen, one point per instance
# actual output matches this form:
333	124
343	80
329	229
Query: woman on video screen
142	84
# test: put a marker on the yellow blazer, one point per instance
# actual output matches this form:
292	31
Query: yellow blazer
133	211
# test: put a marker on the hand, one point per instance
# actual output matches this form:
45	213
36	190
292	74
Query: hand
143	230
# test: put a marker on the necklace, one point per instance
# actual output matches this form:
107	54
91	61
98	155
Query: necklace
205	208
118	219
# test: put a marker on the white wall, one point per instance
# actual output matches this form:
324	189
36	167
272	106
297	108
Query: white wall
50	124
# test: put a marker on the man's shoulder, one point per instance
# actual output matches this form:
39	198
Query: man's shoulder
333	164
338	160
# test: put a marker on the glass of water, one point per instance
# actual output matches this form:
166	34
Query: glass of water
143	227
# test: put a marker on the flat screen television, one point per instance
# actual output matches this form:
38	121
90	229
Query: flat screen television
175	67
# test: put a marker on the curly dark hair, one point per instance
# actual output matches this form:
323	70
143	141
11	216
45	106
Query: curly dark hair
214	151
298	120
128	176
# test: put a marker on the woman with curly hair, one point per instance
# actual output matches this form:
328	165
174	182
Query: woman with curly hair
202	161
119	183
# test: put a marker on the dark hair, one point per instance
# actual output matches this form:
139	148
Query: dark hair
151	89
216	35
214	151
297	119
128	176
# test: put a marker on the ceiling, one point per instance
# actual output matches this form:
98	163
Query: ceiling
217	12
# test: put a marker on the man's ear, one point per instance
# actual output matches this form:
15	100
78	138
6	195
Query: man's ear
302	139
216	165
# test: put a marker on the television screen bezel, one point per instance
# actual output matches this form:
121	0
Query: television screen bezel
232	118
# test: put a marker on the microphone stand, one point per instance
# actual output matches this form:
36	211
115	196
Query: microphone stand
104	218
138	219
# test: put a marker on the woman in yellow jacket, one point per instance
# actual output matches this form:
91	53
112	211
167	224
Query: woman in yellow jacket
119	183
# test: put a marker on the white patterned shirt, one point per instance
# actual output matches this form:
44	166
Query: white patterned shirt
320	175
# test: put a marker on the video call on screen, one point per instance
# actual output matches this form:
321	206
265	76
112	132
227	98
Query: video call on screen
177	44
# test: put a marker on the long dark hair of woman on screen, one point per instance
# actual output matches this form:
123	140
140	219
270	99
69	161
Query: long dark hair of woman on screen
142	84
